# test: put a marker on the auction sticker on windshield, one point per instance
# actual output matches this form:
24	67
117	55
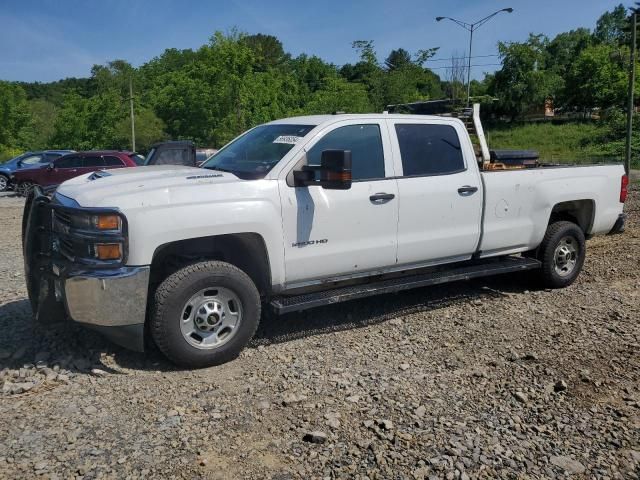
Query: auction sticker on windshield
288	139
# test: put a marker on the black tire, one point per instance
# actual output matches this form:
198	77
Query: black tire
4	183
561	234
168	309
24	188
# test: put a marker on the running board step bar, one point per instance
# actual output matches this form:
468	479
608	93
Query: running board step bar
286	304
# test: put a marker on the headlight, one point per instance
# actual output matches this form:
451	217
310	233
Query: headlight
103	222
86	236
107	222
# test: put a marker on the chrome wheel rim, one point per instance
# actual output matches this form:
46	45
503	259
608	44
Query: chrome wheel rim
565	256
3	183
211	318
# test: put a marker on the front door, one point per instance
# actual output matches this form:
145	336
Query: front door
331	233
441	194
63	169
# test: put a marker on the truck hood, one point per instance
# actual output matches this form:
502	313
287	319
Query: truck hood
140	186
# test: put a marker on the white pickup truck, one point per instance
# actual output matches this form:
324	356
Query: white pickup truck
298	213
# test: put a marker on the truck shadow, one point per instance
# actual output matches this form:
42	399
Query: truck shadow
382	308
76	350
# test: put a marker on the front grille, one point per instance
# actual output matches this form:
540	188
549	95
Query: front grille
67	248
63	217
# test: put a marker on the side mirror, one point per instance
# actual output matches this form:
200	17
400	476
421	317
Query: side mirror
334	168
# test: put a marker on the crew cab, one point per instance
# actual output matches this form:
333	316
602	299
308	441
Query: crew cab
298	213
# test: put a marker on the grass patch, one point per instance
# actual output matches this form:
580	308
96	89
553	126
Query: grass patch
563	143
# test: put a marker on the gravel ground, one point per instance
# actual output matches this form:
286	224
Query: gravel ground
488	379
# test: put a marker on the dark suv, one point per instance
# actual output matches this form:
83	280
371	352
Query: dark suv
70	166
27	160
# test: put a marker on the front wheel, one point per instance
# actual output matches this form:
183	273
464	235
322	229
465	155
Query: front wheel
4	183
562	253
205	314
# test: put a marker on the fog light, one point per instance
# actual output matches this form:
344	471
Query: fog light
107	222
109	251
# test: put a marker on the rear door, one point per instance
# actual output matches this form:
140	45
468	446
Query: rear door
440	208
111	161
91	163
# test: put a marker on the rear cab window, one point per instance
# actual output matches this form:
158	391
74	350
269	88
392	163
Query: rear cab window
429	149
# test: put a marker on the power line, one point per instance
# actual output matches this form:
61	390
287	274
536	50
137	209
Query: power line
478	65
460	58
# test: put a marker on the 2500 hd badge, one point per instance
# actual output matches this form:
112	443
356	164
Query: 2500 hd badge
310	242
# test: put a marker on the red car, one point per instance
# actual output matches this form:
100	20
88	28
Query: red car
70	166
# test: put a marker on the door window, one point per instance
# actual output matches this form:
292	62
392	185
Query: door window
71	161
50	157
31	159
111	161
93	161
429	149
365	143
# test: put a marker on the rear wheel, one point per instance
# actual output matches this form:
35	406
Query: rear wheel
562	253
24	188
205	314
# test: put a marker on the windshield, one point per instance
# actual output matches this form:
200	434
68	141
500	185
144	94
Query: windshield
256	152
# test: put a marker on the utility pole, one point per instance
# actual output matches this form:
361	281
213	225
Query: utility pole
632	81
133	120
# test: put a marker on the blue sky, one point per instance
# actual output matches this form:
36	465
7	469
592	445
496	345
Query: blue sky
51	39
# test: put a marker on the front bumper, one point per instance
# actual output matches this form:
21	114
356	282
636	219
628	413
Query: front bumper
114	302
111	300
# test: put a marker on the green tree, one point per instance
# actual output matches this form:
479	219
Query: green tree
15	118
397	59
523	82
611	27
598	77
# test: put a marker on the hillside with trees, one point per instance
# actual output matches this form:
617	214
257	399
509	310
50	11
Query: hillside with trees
237	80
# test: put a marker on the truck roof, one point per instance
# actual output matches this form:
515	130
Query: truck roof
319	119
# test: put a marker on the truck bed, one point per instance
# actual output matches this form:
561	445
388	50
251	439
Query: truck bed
519	202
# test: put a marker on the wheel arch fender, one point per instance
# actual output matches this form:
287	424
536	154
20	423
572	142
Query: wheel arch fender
245	250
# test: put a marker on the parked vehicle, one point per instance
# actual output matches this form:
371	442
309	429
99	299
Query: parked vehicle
203	154
26	160
298	213
180	152
69	166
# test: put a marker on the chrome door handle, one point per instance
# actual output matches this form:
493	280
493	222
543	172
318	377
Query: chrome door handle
382	197
467	190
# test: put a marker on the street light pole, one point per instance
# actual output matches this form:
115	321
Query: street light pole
469	66
471	27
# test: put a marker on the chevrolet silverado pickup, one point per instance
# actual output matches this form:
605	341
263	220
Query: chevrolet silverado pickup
298	213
